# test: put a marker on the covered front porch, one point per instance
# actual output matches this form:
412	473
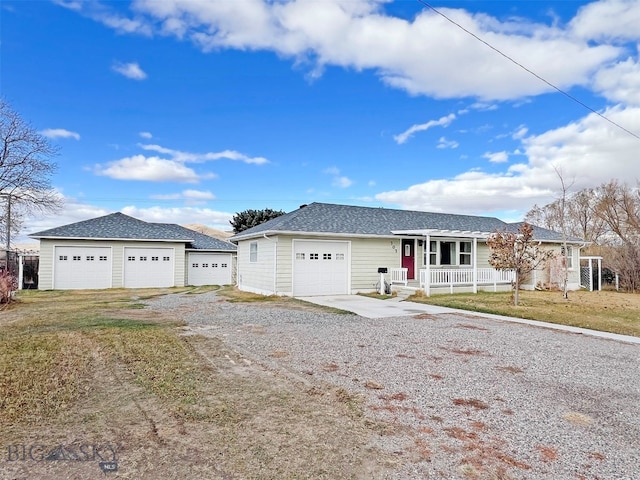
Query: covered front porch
447	261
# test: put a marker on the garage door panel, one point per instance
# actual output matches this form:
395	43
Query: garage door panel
209	269
321	268
77	268
148	267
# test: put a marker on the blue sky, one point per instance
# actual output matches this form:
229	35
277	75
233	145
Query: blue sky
188	111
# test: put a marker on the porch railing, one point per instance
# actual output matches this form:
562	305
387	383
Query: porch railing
399	275
451	277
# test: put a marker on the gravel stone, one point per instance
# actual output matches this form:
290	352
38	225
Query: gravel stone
465	397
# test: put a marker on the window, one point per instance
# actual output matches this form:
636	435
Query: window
449	253
214	265
568	256
465	253
131	259
62	257
143	259
77	257
102	258
313	256
223	265
166	259
154	259
407	249
90	258
339	256
253	252
299	256
205	265
194	265
326	256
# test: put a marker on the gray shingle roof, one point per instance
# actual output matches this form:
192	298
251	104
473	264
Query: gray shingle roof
325	218
544	234
118	226
348	219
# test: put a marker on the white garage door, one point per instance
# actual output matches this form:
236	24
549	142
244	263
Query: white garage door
81	267
209	269
320	268
148	267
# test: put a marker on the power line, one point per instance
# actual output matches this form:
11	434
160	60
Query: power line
542	79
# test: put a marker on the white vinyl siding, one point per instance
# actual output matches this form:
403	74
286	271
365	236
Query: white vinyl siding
258	276
47	259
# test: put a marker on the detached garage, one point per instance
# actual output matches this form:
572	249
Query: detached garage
121	251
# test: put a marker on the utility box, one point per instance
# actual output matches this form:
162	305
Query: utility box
382	269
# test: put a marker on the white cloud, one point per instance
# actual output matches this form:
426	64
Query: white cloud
589	152
497	157
192	197
338	180
146	135
342	182
360	35
60	133
129	70
181	215
180	156
407	134
620	82
152	169
444	143
608	19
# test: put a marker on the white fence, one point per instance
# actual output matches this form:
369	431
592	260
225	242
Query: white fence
451	277
399	275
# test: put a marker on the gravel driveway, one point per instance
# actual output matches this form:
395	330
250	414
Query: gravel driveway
463	397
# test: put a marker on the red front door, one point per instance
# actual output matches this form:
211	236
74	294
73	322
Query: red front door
408	258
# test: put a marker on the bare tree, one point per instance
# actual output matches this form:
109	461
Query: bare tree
25	169
517	251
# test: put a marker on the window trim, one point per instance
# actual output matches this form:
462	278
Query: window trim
456	253
253	252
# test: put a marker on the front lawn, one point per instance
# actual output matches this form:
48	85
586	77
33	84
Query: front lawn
607	311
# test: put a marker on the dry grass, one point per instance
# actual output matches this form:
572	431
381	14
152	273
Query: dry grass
606	310
96	367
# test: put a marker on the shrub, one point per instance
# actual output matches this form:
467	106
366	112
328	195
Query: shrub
8	285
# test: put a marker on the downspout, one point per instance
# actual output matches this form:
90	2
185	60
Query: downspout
275	263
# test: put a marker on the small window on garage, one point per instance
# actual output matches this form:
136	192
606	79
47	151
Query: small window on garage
143	259
166	259
77	257
62	257
131	259
339	256
326	256
313	256
214	265
299	256
205	265
102	258
253	252
155	259
90	258
224	265
194	265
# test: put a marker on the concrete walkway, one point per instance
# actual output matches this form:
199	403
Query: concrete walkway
375	308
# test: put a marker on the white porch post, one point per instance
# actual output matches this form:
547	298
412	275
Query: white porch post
590	275
599	274
475	265
427	280
20	271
